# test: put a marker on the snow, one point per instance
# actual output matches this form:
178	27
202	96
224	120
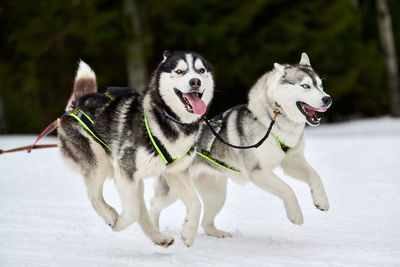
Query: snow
46	218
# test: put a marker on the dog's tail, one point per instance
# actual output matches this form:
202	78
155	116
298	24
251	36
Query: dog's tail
85	83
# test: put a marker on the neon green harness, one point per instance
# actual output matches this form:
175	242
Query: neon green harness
207	154
86	123
284	147
161	150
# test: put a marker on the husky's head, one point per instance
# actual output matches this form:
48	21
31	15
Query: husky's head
299	92
186	84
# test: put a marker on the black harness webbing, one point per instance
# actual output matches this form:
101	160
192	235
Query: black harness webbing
163	151
87	124
259	143
160	148
112	93
207	155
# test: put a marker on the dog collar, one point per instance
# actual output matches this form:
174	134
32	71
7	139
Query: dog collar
168	116
160	148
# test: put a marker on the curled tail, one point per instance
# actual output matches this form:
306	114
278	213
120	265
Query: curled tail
85	83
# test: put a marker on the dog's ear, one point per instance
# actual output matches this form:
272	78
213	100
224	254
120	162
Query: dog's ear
304	60
280	68
166	55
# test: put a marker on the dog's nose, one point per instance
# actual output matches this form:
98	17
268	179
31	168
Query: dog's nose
195	83
327	100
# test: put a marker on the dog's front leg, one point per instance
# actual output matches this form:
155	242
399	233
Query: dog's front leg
162	198
131	192
147	226
128	189
296	166
212	190
183	187
268	181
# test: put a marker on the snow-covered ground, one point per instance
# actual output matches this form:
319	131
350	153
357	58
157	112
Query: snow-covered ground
46	218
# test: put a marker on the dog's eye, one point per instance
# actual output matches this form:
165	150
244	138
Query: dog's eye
305	86
179	72
202	70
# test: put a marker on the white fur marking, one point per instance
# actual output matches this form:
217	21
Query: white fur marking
84	71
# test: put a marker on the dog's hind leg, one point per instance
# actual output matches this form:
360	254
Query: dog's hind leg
91	161
94	183
163	197
182	185
296	166
147	226
268	181
212	190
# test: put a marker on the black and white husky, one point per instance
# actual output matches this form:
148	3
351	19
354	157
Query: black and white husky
296	94
129	127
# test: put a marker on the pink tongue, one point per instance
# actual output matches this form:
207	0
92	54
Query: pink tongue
310	108
198	105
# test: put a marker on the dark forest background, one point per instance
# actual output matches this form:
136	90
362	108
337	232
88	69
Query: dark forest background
123	41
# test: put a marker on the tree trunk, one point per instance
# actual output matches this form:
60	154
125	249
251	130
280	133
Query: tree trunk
136	68
387	39
2	118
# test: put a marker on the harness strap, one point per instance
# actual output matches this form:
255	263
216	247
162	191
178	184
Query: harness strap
160	148
259	143
207	155
284	147
87	123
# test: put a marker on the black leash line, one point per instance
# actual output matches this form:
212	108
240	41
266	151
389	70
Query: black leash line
219	138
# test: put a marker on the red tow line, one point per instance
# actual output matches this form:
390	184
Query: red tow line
54	125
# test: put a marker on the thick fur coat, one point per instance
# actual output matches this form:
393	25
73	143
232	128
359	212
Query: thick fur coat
179	93
295	93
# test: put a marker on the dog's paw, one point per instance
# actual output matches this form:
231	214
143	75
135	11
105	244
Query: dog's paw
296	219
189	232
320	200
213	231
124	221
188	241
118	227
111	217
294	214
163	241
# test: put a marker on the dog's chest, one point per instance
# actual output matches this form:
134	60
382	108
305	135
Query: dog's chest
288	134
268	154
149	164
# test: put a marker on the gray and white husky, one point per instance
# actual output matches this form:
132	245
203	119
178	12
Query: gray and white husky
168	111
295	94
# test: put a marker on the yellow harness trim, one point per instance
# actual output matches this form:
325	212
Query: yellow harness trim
77	115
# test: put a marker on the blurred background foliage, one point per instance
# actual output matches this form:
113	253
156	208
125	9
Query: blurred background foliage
41	42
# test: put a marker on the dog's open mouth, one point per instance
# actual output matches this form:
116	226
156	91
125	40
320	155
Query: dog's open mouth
192	101
313	115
